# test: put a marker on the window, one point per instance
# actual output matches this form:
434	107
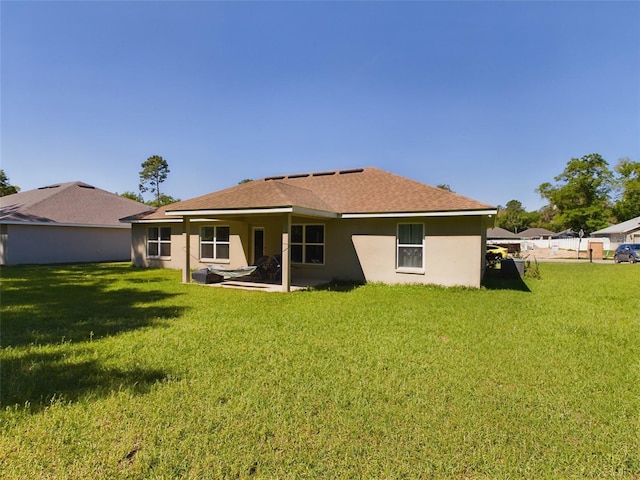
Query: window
159	242
410	243
214	243
307	244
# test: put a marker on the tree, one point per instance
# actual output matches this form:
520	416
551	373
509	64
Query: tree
154	171
513	217
628	184
5	187
163	200
581	194
546	218
133	196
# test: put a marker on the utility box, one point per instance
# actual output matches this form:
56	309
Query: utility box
596	251
512	268
205	276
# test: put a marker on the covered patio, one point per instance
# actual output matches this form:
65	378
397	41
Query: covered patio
258	223
257	285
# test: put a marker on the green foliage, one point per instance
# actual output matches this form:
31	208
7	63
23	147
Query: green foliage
581	194
146	377
513	217
133	196
628	205
544	218
163	200
5	187
154	171
532	268
582	197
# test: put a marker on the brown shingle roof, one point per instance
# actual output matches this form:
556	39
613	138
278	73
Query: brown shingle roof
68	203
364	190
255	194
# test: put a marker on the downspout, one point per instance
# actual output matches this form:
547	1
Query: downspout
186	238
484	224
286	254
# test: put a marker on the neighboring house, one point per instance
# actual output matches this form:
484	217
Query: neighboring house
361	224
536	234
568	233
625	232
63	223
498	234
504	238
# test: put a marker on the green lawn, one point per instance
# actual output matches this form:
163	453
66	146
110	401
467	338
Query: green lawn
114	372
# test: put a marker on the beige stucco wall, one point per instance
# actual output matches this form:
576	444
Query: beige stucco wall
239	238
139	247
453	251
42	244
355	249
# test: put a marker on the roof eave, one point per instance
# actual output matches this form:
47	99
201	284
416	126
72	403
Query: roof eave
311	212
616	229
151	220
61	224
631	229
438	213
295	210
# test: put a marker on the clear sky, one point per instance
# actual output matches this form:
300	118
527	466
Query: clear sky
492	98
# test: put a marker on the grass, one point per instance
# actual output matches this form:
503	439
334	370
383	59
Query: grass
114	372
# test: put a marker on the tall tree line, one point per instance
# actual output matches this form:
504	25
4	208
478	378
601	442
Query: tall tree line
588	195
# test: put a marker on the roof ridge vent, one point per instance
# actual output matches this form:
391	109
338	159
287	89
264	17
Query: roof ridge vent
298	175
48	186
353	170
323	174
280	177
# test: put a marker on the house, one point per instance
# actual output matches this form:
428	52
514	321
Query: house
361	224
65	222
568	233
536	234
498	234
625	232
504	238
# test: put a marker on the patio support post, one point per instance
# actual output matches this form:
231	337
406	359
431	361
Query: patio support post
286	255
186	238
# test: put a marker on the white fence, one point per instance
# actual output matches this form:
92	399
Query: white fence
574	244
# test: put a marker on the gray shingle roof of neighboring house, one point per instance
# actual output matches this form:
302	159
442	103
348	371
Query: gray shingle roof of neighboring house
624	227
361	190
71	203
497	232
535	233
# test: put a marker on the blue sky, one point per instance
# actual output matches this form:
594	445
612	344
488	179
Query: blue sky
492	98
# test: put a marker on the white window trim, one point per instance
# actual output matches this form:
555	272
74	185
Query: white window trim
415	270
159	242
304	243
215	244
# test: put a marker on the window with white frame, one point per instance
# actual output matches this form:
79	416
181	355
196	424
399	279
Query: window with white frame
307	244
159	242
410	242
214	243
